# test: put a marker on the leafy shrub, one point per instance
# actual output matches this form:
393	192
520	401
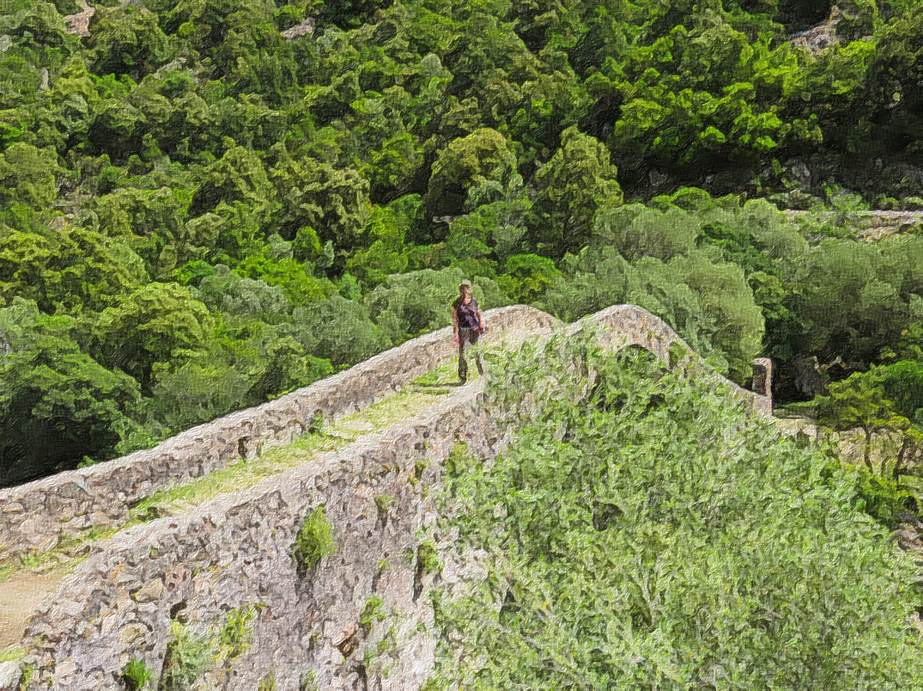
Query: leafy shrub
234	636
268	682
410	304
188	656
136	675
339	330
428	557
314	540
882	497
371	612
656	533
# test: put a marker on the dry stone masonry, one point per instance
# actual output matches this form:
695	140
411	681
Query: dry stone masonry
34	516
235	551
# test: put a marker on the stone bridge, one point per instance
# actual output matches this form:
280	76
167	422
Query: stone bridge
234	551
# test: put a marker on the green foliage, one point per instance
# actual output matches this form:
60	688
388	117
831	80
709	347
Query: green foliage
371	612
707	302
570	188
315	194
526	277
308	682
57	404
131	213
467	163
188	656
638	231
293	277
410	304
127	39
69	269
428	557
853	298
621	562
314	540
157	323
491	141
339	330
727	302
268	683
886	398
246	298
136	675
28	176
881	497
235	634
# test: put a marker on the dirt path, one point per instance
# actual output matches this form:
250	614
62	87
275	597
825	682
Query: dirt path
19	598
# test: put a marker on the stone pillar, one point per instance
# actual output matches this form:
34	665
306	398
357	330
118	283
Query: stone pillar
762	377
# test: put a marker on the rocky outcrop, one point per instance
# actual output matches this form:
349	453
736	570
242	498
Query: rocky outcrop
79	23
819	38
872	224
305	28
236	552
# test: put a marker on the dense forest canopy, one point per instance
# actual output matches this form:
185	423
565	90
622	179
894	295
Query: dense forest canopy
198	214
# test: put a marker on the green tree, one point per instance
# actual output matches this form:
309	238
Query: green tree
414	303
126	39
28	176
858	402
570	188
157	323
339	330
238	177
638	231
482	156
57	404
314	194
526	277
71	269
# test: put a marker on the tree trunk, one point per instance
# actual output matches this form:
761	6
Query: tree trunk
867	454
901	457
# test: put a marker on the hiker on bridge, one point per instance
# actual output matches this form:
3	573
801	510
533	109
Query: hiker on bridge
467	327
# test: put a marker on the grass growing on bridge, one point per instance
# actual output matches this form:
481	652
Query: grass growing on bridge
413	399
377	417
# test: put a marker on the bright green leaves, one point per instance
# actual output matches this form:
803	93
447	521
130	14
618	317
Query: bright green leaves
71	269
570	188
334	201
653	533
157	323
481	158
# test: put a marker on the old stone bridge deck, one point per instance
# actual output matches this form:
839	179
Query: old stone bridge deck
233	552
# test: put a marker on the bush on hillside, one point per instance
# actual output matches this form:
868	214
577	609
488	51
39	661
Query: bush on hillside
655	534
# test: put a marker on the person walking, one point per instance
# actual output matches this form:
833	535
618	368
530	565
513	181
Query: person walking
467	327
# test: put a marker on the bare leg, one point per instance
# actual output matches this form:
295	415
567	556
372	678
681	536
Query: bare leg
462	363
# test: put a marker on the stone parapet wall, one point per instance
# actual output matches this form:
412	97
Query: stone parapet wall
236	551
35	515
629	325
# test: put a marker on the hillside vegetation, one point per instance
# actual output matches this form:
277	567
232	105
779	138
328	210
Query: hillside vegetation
198	214
644	530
